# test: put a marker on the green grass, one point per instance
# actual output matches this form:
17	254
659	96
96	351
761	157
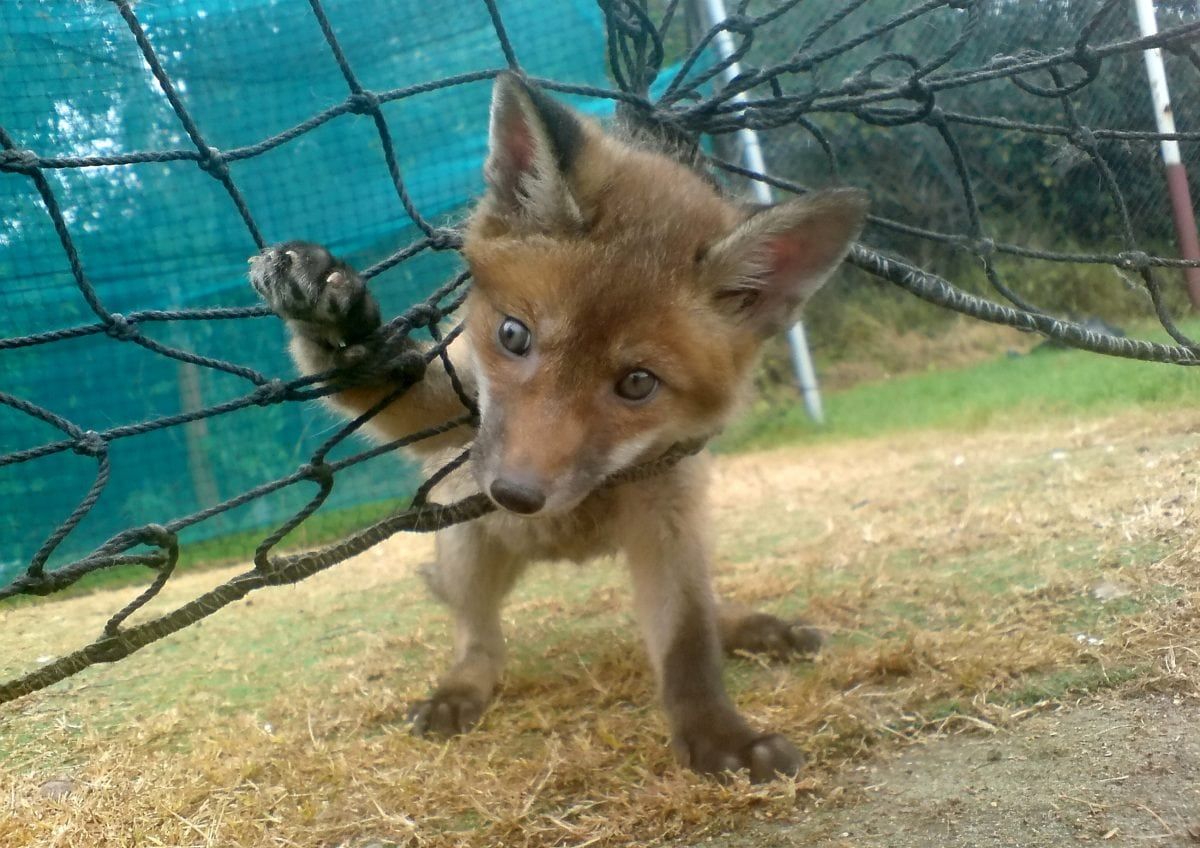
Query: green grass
1037	688
1057	685
1008	389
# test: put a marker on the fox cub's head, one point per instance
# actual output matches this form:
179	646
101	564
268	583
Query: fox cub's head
619	299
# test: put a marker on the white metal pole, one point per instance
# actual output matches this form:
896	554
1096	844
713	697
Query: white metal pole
712	12
1157	72
1177	185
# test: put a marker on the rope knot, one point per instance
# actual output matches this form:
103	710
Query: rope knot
108	648
120	328
90	443
738	23
627	18
857	83
423	315
35	583
160	537
445	238
1087	59
363	103
157	535
19	161
755	116
212	162
318	472
984	246
1134	260
1083	138
271	392
917	91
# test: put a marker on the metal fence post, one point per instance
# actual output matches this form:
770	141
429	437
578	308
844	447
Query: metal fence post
711	13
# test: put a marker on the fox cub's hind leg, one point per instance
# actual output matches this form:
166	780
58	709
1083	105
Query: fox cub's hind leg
472	575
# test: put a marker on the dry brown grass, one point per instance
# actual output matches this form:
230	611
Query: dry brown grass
955	573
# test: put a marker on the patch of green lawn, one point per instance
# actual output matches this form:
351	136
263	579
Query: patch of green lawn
1043	384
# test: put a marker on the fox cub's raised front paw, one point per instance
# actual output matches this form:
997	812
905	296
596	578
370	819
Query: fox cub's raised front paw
322	297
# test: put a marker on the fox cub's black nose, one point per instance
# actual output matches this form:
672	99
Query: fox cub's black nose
517	497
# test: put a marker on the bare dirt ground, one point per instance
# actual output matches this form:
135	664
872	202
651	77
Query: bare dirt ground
1014	659
1117	771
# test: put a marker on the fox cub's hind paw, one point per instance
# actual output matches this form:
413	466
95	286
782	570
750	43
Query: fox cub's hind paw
764	634
323	298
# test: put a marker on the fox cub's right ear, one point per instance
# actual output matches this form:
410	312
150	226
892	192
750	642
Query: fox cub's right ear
533	142
772	263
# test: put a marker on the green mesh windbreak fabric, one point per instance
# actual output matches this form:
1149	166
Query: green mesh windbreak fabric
165	235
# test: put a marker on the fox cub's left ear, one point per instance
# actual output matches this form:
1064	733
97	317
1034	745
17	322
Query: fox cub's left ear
773	262
533	143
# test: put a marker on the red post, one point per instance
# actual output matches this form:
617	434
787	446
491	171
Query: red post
1185	226
1177	185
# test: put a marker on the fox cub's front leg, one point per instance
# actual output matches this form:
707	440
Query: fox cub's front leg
333	318
472	574
669	553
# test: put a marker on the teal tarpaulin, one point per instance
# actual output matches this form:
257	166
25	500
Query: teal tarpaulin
166	235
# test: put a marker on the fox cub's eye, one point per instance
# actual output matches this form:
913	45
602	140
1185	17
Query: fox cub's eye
638	384
515	337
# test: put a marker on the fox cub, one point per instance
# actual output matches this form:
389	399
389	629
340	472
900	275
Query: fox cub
619	302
